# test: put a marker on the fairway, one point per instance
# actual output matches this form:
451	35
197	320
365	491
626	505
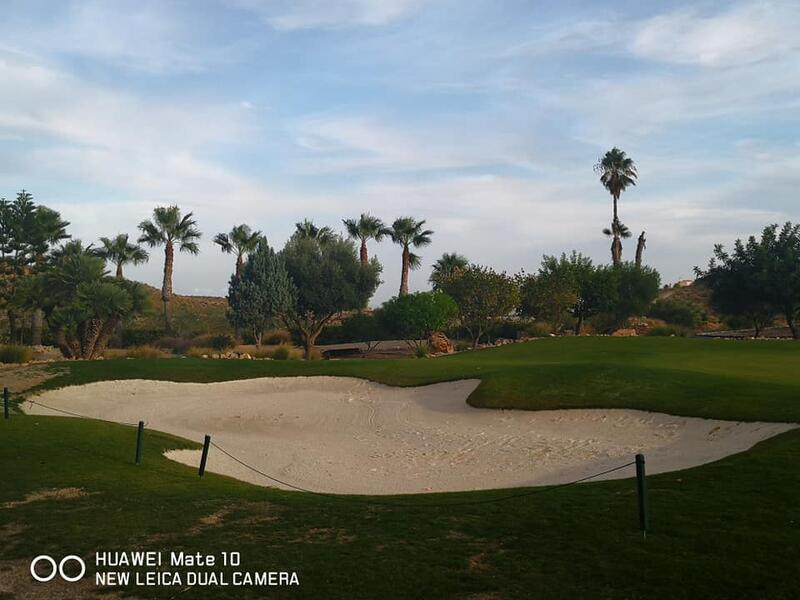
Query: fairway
729	527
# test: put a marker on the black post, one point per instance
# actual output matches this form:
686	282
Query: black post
5	402
641	487
139	437
204	457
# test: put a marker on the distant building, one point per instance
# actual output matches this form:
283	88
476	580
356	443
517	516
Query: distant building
685	283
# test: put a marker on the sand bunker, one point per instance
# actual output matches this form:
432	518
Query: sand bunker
352	436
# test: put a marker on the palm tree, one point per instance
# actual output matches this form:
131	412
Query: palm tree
617	172
307	230
616	231
169	228
119	251
446	267
408	232
365	228
240	241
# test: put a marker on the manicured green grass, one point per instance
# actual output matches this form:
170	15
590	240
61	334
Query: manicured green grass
730	529
738	380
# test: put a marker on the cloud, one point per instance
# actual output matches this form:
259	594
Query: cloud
323	14
744	34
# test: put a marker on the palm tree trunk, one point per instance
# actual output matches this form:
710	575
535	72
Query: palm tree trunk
239	266
364	254
37	324
166	288
404	273
616	198
640	249
616	251
119	271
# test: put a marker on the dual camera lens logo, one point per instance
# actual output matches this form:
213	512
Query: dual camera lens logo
57	568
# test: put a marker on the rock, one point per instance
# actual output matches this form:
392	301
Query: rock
245	356
440	344
624	333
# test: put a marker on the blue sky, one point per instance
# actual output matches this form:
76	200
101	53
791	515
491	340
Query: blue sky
484	118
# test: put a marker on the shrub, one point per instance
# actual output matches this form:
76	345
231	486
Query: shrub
14	353
282	352
421	351
223	342
667	331
276	337
200	351
144	352
461	346
174	344
414	317
140	337
676	312
537	329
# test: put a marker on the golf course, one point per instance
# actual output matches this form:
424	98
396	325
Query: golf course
727	529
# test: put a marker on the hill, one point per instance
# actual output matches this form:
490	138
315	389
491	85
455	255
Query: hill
192	315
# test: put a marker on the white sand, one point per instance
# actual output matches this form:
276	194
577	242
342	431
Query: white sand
352	436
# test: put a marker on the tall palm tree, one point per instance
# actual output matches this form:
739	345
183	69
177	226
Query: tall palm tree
120	251
240	241
447	266
365	228
408	232
618	231
306	229
169	228
617	172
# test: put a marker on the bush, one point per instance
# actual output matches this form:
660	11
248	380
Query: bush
667	331
415	317
219	342
537	329
421	351
14	353
276	337
282	352
139	337
200	351
676	312
461	346
144	352
176	345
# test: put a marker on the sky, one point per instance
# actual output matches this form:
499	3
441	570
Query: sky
484	118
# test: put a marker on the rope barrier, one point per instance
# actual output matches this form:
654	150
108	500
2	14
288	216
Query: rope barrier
74	414
419	505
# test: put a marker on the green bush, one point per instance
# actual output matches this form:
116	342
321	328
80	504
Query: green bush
461	346
144	352
275	337
282	353
14	353
140	337
421	351
676	312
219	342
537	329
174	344
668	331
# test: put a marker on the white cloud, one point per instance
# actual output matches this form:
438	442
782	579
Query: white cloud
292	15
746	33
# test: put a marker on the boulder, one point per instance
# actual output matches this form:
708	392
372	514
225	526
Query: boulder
440	344
624	333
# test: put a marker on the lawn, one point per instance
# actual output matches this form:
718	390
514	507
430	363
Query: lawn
730	529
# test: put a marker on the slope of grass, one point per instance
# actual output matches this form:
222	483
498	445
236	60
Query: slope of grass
729	530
